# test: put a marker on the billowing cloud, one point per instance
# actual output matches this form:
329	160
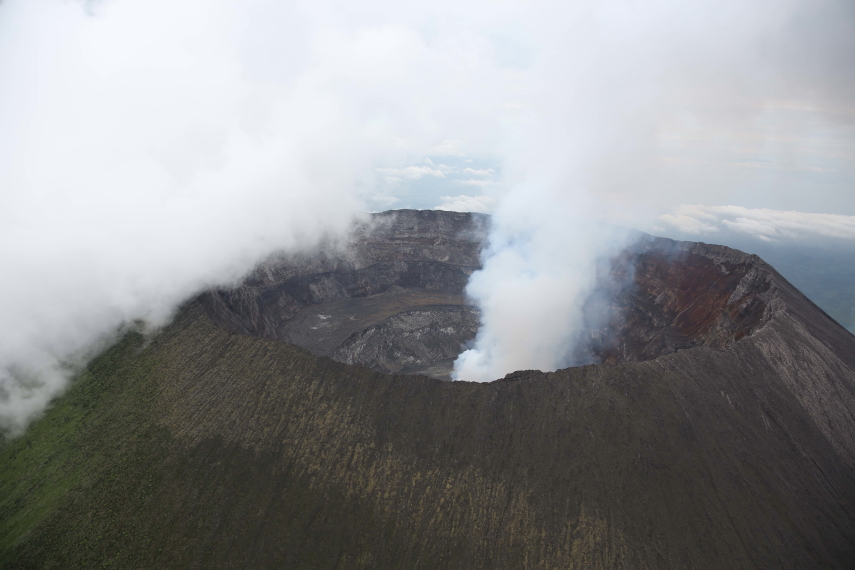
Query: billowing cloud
143	159
480	172
638	107
761	223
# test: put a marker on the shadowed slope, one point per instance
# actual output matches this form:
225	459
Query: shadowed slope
207	449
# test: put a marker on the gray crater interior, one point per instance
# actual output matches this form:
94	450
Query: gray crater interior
391	298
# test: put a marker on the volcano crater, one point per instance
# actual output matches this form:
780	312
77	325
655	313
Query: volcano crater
392	297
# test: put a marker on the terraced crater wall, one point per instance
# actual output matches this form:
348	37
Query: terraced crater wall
391	297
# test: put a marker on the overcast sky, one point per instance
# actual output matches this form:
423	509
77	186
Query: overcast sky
736	111
151	148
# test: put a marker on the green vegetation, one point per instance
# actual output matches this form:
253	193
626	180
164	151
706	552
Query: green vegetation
87	440
101	482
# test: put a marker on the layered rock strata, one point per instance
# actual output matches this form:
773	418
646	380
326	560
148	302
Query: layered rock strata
390	297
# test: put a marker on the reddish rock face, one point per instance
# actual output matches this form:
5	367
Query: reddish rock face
663	298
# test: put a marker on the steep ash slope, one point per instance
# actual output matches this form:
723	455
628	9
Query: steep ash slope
208	449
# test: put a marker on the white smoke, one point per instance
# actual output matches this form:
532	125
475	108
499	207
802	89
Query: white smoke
619	77
539	271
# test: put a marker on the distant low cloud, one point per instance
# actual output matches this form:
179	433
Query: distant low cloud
479	172
410	172
763	224
464	203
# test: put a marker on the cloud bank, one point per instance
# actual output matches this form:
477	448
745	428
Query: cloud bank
141	162
761	223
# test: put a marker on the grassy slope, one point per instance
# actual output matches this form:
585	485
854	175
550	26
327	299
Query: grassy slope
95	434
100	482
77	489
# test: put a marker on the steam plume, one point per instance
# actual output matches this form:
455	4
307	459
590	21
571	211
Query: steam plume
618	78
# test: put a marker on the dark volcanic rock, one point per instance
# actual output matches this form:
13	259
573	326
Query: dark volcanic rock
721	435
412	341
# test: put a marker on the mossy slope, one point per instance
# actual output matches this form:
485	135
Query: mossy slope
210	450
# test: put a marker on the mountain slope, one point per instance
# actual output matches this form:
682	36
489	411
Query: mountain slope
210	449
